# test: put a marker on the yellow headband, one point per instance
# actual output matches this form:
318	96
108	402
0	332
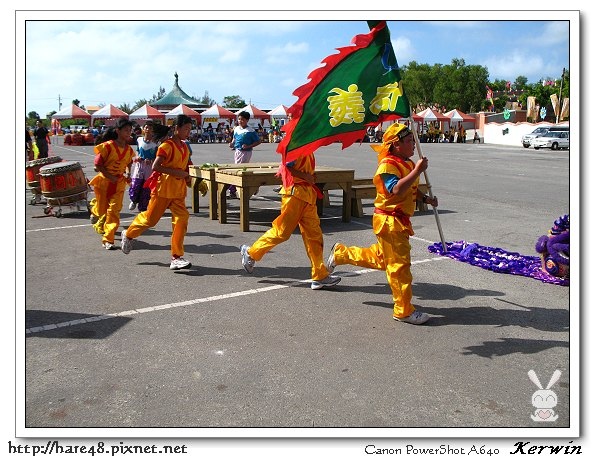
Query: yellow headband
394	133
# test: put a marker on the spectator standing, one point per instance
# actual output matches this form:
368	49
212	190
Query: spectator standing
28	146
41	139
244	139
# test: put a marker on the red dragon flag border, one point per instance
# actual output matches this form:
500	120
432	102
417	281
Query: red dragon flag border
358	87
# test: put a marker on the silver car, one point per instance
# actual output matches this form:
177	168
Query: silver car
553	140
528	138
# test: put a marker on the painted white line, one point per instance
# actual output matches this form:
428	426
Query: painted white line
75	150
79	225
248	292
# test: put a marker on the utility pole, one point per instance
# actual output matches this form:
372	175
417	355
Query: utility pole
560	97
59	103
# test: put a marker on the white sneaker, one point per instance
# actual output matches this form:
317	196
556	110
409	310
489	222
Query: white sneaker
126	243
179	263
108	246
247	261
330	280
330	262
416	317
132	206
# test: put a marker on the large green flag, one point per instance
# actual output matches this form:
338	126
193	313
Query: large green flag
358	87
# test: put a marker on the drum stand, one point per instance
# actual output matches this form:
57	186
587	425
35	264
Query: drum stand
37	198
76	203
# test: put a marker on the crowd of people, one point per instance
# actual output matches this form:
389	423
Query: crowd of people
434	134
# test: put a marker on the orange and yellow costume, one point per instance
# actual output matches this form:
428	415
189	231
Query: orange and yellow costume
168	191
108	195
298	207
392	225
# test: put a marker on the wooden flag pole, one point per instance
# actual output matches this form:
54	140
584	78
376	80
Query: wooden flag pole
418	147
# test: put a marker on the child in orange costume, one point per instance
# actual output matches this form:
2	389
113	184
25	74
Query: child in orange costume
113	157
168	190
298	207
396	181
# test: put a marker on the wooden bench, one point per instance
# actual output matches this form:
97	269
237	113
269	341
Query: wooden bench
365	189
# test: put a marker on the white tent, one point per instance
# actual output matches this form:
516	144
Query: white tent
279	114
108	112
147	112
257	116
216	115
182	109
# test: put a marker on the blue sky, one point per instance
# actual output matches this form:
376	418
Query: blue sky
112	59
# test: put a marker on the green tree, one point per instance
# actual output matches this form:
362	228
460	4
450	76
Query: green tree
126	108
520	83
160	94
456	85
233	101
206	100
474	92
138	104
418	82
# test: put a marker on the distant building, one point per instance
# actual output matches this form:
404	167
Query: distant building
93	108
176	97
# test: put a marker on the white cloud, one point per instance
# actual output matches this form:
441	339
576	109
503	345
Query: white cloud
515	64
284	53
404	50
554	33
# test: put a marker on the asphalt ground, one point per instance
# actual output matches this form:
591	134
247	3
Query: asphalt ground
115	344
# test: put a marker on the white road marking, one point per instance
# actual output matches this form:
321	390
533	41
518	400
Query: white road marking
248	292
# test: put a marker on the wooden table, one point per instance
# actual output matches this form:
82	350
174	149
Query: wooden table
207	173
249	177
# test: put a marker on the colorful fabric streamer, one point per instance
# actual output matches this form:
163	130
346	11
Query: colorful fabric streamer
497	260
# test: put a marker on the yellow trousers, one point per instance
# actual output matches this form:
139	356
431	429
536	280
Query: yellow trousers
392	254
295	212
155	210
110	208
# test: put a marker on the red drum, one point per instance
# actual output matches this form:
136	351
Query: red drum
63	179
32	169
68	139
77	139
89	139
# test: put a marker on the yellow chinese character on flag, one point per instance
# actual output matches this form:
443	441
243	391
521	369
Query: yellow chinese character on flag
386	98
346	107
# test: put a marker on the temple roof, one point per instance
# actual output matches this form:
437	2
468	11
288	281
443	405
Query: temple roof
176	97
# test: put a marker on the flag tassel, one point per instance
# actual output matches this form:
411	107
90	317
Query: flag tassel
418	147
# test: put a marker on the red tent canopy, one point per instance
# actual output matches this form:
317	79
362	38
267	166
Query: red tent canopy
458	116
255	112
217	111
72	112
182	109
147	112
109	112
429	115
